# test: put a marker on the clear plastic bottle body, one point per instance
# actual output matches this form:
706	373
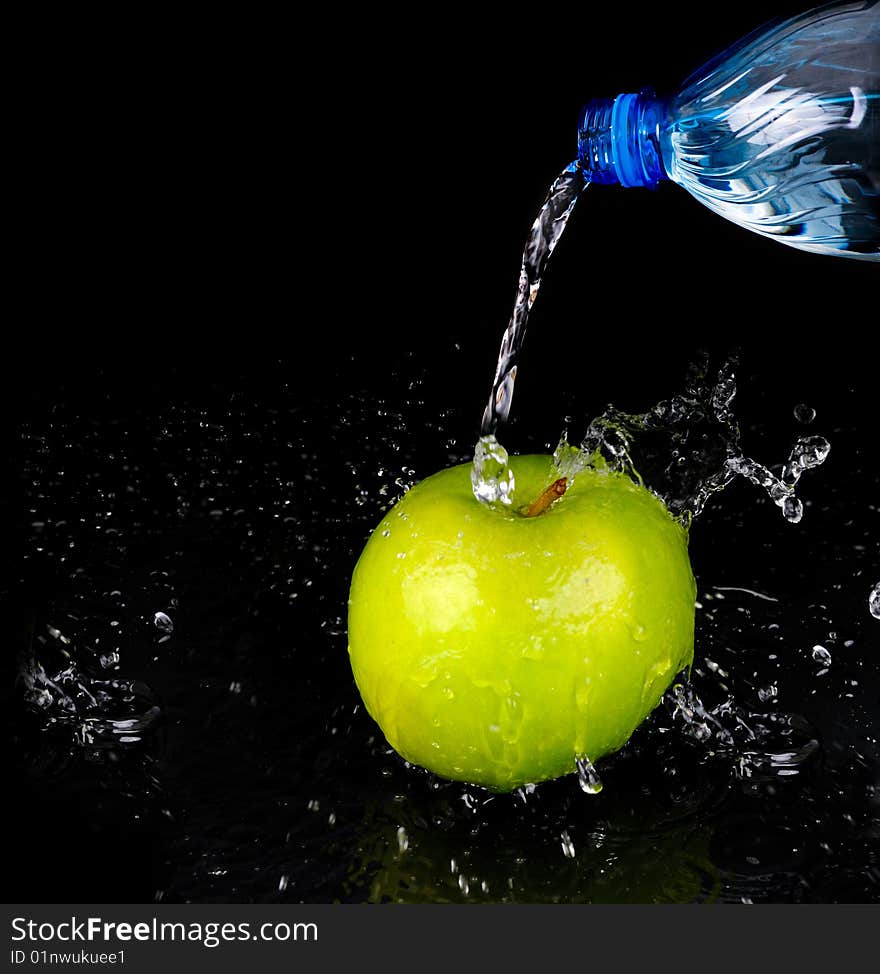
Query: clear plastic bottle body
780	134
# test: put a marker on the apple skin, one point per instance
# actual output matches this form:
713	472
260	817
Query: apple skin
494	648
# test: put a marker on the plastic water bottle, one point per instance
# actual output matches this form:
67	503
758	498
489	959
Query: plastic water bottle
780	133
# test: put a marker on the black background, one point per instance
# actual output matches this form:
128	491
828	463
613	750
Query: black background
216	203
365	191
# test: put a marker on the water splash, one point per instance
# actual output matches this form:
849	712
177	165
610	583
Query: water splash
491	476
757	745
685	449
68	692
72	669
699	723
688	448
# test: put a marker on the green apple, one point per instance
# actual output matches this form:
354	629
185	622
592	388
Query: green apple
497	648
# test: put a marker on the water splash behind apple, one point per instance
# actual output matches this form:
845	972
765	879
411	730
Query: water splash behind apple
702	453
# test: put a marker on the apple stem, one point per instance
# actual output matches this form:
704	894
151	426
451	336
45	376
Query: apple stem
551	494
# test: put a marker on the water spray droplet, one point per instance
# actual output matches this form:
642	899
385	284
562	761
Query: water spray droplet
821	655
109	659
163	623
874	601
792	509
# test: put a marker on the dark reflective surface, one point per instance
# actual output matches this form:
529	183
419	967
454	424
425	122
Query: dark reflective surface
232	760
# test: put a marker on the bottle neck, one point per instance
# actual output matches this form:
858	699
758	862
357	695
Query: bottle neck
619	139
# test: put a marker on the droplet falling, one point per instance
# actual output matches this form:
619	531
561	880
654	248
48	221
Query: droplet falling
588	777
